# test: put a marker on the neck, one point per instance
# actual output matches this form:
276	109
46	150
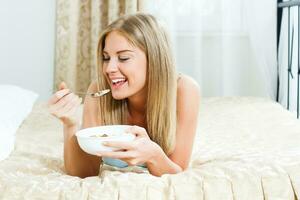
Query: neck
137	104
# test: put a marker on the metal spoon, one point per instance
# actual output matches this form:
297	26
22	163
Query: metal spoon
96	94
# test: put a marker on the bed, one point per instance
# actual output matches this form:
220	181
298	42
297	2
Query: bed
246	148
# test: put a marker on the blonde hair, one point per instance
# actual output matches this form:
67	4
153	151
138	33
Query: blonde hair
144	32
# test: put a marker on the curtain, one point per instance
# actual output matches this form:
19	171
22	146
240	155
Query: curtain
78	25
283	59
228	46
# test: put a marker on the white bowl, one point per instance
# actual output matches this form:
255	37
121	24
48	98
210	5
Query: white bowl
91	144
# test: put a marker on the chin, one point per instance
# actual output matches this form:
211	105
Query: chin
118	96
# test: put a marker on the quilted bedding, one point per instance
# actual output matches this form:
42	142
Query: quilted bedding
246	148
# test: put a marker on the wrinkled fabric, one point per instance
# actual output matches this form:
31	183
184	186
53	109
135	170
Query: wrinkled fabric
245	148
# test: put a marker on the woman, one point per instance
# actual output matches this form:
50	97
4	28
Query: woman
135	62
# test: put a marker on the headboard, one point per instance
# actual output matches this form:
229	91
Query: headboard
281	6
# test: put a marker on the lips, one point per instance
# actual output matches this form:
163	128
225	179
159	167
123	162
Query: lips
117	82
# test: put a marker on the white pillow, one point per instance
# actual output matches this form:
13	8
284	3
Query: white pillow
15	105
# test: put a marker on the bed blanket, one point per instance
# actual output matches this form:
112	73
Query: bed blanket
246	148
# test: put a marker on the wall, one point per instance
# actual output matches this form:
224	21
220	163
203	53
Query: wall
27	44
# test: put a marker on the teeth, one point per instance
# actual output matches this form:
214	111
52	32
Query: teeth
117	80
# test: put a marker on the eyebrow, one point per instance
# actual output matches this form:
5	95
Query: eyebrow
121	51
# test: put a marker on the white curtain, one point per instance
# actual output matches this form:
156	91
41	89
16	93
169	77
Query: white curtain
228	46
283	59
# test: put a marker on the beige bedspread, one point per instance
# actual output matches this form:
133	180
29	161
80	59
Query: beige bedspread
245	149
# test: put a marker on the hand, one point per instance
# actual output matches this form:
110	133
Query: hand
141	150
64	104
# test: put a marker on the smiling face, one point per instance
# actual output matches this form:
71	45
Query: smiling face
124	67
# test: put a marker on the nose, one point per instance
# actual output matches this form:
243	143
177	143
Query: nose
111	66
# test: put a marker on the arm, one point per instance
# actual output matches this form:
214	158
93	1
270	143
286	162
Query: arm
77	162
161	164
188	98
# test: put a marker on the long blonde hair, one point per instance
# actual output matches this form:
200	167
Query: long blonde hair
144	32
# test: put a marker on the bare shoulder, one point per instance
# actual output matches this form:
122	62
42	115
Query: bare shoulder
188	98
187	87
90	108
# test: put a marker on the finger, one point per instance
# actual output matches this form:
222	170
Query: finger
119	145
76	104
58	95
62	85
63	101
131	161
114	154
70	116
72	111
58	108
138	131
61	93
71	104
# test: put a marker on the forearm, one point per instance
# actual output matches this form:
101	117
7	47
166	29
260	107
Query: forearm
160	164
76	161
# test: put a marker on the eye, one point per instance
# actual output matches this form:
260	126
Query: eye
105	58
123	59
